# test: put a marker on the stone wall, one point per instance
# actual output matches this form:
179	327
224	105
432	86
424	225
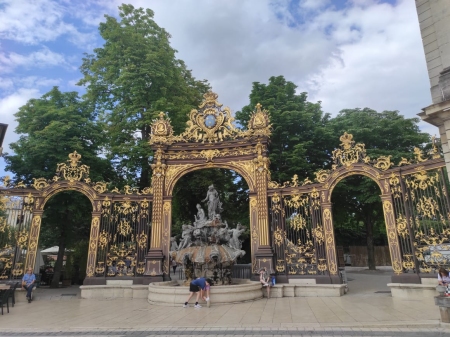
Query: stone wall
358	255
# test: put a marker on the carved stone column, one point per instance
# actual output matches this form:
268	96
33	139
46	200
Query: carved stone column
330	244
33	239
92	253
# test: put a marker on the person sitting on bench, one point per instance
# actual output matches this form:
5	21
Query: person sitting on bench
28	282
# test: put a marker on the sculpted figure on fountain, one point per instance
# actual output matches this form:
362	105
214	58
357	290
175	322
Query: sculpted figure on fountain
186	236
209	247
235	234
214	204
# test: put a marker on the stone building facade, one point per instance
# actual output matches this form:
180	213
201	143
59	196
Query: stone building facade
434	20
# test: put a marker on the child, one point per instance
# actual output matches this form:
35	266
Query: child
264	279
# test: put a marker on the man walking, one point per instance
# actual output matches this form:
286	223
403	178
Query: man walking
198	286
28	281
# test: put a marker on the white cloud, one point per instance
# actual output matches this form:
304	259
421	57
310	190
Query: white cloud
9	105
38	59
33	22
10	85
313	4
382	62
368	54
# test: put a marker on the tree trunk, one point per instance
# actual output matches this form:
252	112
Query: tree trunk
59	263
144	180
59	260
370	245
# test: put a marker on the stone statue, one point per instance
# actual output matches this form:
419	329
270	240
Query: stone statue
173	243
223	234
235	234
214	204
208	247
200	218
186	236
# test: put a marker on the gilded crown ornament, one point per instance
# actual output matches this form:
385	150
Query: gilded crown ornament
349	153
211	123
73	171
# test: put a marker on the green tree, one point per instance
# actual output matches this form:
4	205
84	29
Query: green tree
133	77
356	199
52	127
300	138
66	221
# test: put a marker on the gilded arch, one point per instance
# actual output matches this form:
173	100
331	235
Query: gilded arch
356	169
411	190
74	176
179	171
77	186
403	206
210	140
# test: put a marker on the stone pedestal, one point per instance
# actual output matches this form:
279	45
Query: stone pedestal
443	302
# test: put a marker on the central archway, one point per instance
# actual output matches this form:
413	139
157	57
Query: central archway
216	145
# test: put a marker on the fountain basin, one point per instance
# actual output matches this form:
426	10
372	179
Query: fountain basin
173	293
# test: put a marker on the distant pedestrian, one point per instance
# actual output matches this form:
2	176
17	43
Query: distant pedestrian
174	265
264	278
198	286
28	282
443	277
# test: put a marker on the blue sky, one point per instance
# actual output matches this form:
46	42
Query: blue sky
345	53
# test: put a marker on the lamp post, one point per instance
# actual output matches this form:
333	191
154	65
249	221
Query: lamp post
3	128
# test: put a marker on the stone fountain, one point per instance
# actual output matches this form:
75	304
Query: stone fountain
208	248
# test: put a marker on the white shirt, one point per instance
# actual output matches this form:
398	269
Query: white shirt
445	279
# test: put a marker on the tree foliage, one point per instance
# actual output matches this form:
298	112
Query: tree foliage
357	209
300	138
383	133
52	127
66	221
133	77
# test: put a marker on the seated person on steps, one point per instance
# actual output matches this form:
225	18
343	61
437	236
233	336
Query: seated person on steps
28	282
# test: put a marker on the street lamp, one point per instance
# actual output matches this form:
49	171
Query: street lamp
3	128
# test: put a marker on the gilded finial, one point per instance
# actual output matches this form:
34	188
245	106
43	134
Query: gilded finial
347	140
74	158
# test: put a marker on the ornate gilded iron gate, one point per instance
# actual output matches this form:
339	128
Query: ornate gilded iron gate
415	203
422	213
291	223
14	233
298	240
124	238
120	228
